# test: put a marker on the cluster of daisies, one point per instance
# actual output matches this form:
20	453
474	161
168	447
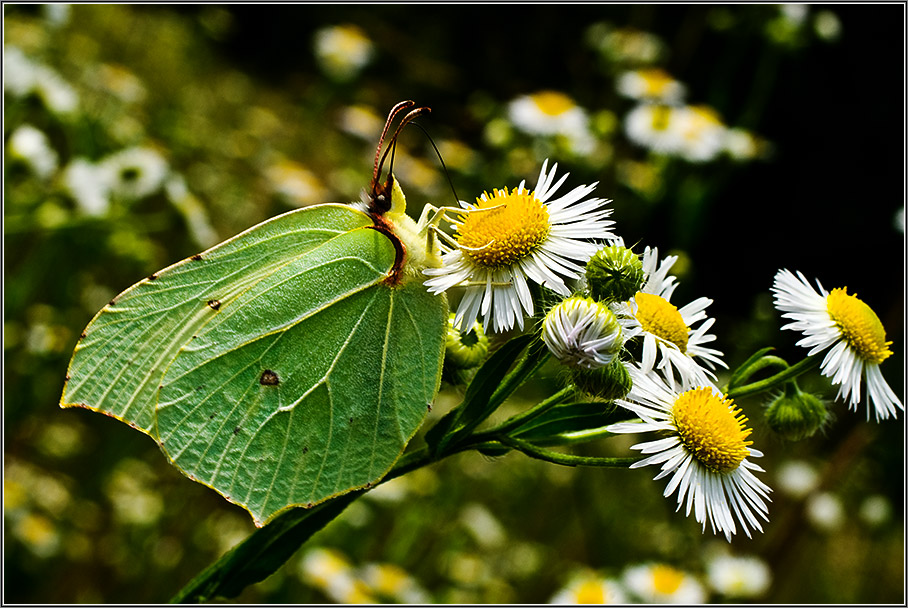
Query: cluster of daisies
618	318
662	122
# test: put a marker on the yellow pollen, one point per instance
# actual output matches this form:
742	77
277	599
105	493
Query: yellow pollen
712	429
660	318
590	592
859	325
553	103
499	237
666	579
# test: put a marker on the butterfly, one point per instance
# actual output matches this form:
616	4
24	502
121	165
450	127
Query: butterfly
287	365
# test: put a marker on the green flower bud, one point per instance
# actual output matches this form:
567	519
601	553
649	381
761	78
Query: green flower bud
465	349
796	415
614	273
608	383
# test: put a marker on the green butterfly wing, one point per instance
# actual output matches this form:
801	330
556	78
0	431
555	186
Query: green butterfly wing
279	367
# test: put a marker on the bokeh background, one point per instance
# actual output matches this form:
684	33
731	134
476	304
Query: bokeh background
136	136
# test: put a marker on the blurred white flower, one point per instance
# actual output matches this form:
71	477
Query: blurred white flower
827	26
192	210
876	510
18	72
22	76
342	50
361	121
825	512
329	571
295	182
741	144
795	14
702	133
694	133
393	582
56	14
32	146
738	576
625	45
899	220
650	84
589	588
89	186
663	584
135	172
483	525
550	113
797	478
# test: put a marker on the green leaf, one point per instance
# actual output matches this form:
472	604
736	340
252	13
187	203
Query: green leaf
478	402
262	553
280	368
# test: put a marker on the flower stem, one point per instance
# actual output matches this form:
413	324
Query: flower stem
570	460
773	381
522	418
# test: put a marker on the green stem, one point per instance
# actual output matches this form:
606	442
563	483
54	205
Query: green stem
769	383
537	410
761	363
570	460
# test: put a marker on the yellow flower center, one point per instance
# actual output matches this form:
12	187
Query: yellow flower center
656	81
590	592
712	429
499	237
660	318
553	103
661	116
666	579
859	325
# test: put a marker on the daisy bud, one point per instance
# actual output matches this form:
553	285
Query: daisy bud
796	415
614	274
465	349
582	333
608	383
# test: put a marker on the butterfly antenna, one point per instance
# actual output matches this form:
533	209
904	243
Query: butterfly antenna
403	123
381	140
441	160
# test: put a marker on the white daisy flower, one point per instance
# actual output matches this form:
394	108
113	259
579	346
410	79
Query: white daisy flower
33	147
663	584
89	186
852	332
589	588
508	237
342	50
666	330
392	582
694	133
582	332
650	84
745	576
703	134
552	113
654	126
703	447
135	172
